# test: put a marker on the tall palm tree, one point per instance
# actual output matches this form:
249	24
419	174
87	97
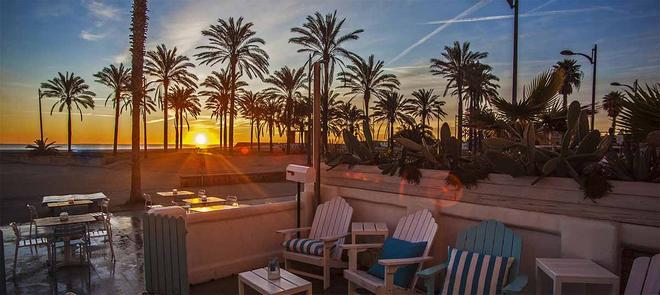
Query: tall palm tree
248	105
138	38
185	103
367	77
439	113
147	106
391	108
480	85
422	105
286	83
452	66
70	90
218	94
234	43
612	103
322	37
119	79
168	68
572	78
272	109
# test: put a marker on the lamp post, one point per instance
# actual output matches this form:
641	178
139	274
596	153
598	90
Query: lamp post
593	59
514	4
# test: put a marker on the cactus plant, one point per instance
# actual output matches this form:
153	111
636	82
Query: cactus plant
356	152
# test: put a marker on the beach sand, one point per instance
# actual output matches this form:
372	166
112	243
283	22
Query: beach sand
24	183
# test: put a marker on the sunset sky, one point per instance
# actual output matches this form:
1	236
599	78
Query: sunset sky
39	38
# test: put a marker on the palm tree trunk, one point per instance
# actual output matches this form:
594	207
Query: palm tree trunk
114	145
68	107
325	97
181	129
176	129
367	97
459	132
139	31
565	102
41	121
231	106
166	84
258	136
287	117
251	130
270	135
224	141
144	127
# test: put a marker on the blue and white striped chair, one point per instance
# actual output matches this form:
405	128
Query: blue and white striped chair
488	243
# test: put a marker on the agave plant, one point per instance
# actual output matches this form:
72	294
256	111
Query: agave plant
43	147
357	152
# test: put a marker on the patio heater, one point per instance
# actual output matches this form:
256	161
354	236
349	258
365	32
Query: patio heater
299	174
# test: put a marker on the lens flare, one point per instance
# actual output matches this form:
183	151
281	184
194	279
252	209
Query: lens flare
200	139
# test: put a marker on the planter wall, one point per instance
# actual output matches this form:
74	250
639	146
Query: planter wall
552	216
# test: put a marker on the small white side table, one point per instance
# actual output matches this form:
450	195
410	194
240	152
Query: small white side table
288	283
368	229
570	270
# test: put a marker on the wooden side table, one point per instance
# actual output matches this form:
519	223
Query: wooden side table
570	270
368	229
288	283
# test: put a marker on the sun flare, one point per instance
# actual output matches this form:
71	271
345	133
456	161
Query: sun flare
200	139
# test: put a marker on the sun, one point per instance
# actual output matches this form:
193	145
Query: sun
200	139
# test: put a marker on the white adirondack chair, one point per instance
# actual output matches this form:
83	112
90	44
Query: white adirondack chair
644	276
330	225
417	227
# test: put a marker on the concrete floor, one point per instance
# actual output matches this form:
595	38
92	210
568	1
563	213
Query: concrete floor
123	276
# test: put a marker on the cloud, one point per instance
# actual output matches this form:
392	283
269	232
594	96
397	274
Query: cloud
89	36
124	56
466	12
101	10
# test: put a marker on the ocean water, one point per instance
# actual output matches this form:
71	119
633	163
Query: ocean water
85	147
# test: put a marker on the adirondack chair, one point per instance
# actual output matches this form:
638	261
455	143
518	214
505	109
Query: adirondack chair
489	237
326	235
644	276
417	227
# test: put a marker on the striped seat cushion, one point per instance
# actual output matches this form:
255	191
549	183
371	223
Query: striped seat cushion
475	273
305	246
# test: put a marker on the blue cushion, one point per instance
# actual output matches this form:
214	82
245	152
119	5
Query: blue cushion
394	249
475	273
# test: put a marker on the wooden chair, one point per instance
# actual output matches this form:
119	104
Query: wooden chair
644	276
22	242
489	237
33	215
74	234
417	227
330	227
104	210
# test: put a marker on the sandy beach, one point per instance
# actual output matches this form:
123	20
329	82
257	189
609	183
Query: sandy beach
22	182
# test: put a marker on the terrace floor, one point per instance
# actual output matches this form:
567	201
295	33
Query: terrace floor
124	276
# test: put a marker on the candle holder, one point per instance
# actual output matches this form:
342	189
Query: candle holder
273	269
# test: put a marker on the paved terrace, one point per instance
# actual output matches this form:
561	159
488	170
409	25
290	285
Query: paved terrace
124	276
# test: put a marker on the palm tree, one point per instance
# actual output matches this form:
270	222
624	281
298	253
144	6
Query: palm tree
422	105
119	79
391	108
138	38
185	103
612	104
169	68
540	95
147	106
321	36
234	43
248	105
572	80
219	86
453	67
480	85
350	117
439	113
70	90
367	77
272	108
287	81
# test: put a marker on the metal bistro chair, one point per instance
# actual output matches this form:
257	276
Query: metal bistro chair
104	232
33	215
22	242
104	210
148	202
75	235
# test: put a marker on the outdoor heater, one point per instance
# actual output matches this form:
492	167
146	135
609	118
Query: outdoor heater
299	174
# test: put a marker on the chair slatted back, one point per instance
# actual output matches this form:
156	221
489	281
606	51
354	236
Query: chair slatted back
417	227
332	218
491	237
165	258
652	282
17	232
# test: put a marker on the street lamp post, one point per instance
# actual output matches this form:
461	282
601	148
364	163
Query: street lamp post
593	59
514	4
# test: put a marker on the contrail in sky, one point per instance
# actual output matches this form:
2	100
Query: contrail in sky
439	29
507	16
